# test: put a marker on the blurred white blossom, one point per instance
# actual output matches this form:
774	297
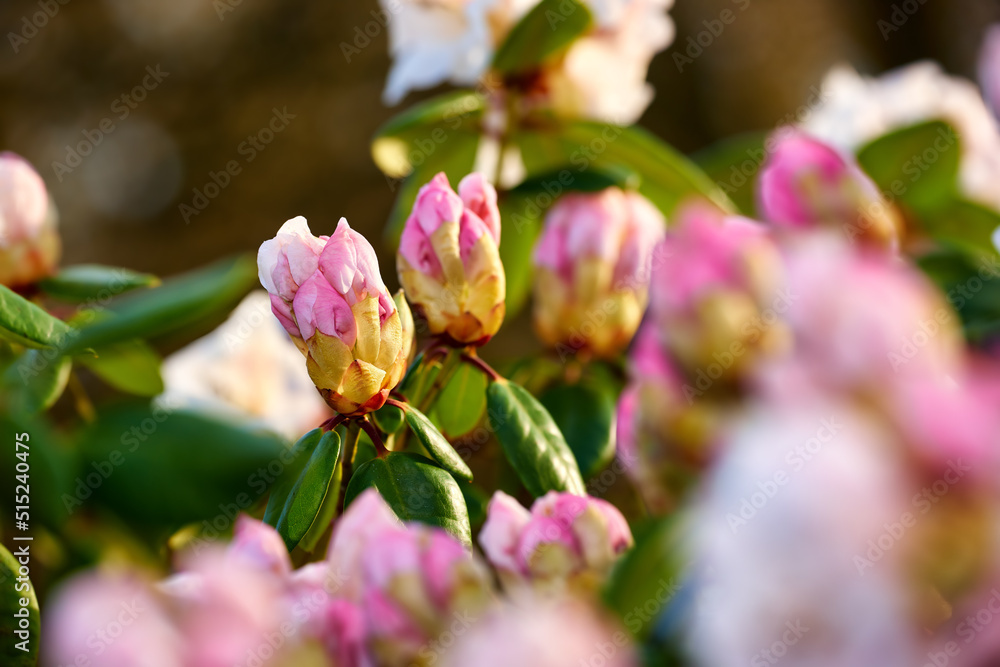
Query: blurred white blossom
248	367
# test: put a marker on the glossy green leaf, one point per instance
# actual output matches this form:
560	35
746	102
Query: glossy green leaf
37	379
436	444
531	441
132	367
544	33
298	456
179	302
462	402
389	418
407	140
93	281
305	497
964	226
585	414
647	578
917	165
416	490
734	164
971	287
665	176
521	218
13	635
167	468
558	182
25	323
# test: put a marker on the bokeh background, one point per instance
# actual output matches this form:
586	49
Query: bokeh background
230	63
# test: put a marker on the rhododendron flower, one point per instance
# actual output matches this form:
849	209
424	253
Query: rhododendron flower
592	263
86	612
855	110
715	296
329	295
247	367
544	633
863	321
411	581
805	183
602	75
29	243
449	262
792	547
566	541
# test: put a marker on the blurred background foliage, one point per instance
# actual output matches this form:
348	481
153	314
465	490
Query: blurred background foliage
231	63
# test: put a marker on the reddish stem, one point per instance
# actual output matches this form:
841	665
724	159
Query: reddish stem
482	365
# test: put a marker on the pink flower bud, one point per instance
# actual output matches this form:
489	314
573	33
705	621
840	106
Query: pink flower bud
330	297
714	294
592	270
410	581
565	541
449	262
29	243
805	183
259	545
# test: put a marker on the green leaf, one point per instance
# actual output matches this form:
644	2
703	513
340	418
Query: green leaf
555	183
299	455
972	288
389	418
416	490
166	468
647	577
436	444
179	302
462	402
132	367
37	379
917	164
665	176
521	219
11	610
25	323
407	140
93	281
544	33
964	226
586	416
302	500
734	164
531	441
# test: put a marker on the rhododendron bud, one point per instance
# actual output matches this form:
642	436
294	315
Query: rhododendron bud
565	541
29	243
412	582
715	296
449	262
329	295
805	183
592	270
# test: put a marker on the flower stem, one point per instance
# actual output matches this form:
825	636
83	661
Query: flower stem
474	360
373	433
